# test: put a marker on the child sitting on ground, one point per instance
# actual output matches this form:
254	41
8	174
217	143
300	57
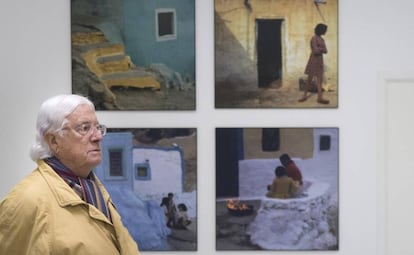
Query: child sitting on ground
182	220
282	186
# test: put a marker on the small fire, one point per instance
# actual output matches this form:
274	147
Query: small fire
236	205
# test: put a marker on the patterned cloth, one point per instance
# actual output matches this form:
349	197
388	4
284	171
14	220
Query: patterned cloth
86	188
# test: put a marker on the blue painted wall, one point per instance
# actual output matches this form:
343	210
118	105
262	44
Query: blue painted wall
144	219
140	35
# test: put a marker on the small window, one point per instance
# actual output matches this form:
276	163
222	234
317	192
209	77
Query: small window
143	171
165	24
115	163
270	139
324	143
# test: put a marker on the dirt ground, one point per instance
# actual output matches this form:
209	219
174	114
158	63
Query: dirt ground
147	99
231	230
276	96
184	239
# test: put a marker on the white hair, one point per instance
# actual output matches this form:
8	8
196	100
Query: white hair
51	118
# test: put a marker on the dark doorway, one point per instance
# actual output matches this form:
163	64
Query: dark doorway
269	51
229	150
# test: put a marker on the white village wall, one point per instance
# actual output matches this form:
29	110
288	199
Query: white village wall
166	171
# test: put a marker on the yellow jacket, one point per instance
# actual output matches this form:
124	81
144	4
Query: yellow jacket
43	215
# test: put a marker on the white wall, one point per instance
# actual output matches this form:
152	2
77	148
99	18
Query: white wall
166	171
375	37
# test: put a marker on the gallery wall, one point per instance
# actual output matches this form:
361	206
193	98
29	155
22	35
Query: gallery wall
375	40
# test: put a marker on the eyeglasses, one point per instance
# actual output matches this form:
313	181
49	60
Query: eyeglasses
87	128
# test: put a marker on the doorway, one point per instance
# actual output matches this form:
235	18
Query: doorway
229	150
269	51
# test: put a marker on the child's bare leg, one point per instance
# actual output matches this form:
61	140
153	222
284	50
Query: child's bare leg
320	98
306	89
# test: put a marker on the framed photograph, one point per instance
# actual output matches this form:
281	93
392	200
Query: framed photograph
276	54
277	189
151	175
134	55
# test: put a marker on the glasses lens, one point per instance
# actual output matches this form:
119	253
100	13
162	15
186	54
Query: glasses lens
83	129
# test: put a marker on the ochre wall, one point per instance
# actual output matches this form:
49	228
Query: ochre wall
297	142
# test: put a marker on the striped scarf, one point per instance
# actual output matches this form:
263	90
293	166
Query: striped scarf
86	188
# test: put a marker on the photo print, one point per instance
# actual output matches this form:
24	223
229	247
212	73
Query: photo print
269	53
134	55
151	175
277	189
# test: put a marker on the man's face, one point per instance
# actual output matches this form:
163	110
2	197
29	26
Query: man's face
80	151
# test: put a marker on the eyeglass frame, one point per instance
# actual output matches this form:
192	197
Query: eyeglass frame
79	129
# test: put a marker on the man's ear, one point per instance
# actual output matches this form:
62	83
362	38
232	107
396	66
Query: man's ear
51	140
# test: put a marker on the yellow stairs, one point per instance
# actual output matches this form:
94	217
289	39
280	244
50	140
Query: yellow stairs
110	64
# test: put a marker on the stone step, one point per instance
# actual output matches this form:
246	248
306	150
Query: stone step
133	78
91	56
105	50
133	73
113	64
109	62
112	58
88	47
86	38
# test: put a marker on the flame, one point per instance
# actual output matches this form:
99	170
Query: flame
236	205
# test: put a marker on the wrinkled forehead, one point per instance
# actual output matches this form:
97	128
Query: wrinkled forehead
82	114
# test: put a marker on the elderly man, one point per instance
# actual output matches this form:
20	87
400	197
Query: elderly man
62	207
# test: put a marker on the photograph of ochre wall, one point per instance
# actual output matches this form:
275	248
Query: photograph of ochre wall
243	79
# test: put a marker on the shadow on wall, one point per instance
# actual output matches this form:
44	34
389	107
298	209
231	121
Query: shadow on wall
233	68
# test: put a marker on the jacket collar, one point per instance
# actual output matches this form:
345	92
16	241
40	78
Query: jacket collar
65	195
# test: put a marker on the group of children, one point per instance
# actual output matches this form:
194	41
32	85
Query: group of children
175	218
288	182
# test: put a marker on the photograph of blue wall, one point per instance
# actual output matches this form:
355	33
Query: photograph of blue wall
134	54
141	169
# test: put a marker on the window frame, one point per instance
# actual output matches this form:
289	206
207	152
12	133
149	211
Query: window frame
108	175
166	37
145	165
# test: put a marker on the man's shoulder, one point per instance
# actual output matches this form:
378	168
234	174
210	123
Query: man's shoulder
25	200
32	189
